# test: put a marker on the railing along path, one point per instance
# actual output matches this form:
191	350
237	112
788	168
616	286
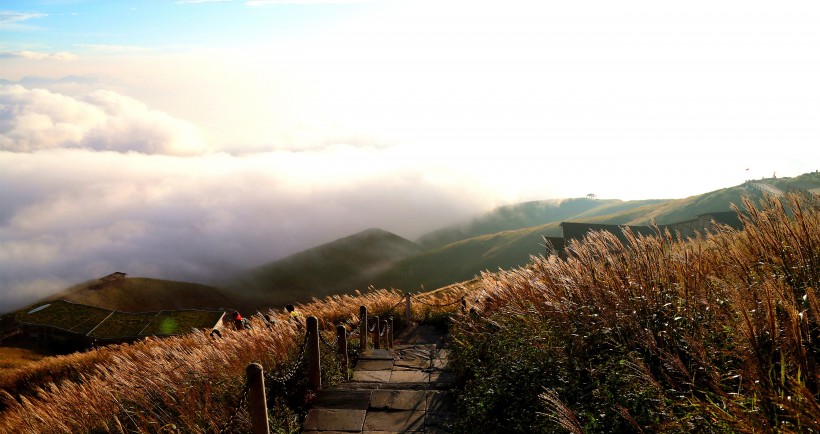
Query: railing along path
253	393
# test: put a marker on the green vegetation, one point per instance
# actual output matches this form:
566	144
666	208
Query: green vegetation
143	294
75	318
717	334
504	238
336	267
529	214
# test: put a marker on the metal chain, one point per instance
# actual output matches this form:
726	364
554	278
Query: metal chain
236	409
328	345
282	379
396	305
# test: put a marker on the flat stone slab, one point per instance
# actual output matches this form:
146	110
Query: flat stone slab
343	399
374	365
358	386
372	376
409	377
398	400
394	421
374	354
325	432
332	419
411	364
440	364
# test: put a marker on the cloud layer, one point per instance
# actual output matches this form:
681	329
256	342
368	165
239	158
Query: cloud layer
95	184
37	119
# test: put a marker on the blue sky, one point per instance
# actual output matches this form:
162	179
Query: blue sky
71	25
212	136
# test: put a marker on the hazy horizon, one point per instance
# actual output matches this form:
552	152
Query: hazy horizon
190	139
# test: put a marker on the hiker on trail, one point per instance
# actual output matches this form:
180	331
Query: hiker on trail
294	315
238	322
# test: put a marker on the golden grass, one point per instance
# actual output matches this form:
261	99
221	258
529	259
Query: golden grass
718	333
189	383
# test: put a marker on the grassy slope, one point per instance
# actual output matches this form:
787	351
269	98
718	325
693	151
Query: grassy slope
526	215
718	200
327	269
716	334
463	259
701	338
143	294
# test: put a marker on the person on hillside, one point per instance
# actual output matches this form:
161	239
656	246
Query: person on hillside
238	322
294	315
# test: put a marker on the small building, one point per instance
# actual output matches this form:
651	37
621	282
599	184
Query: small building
114	277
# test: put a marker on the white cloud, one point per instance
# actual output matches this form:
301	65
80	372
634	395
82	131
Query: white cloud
11	20
259	3
35	119
201	1
38	55
114	49
77	214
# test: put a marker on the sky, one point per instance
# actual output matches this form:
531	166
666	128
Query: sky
192	139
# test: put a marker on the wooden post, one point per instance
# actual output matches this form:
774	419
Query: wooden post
390	333
408	314
376	333
385	331
363	328
341	342
257	406
314	367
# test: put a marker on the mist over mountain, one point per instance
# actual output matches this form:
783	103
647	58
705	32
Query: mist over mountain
503	238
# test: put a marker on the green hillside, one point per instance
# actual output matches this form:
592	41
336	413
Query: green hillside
333	267
504	238
719	200
462	260
529	214
136	294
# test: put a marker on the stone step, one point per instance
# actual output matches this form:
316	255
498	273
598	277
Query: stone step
399	390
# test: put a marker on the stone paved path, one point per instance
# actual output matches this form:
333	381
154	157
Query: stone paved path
402	390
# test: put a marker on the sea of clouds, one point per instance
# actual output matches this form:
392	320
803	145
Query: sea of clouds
96	182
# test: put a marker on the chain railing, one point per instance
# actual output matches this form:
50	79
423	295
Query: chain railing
310	352
232	419
290	372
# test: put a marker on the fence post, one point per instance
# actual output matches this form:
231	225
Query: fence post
341	342
407	312
385	331
314	367
363	328
390	333
257	406
376	332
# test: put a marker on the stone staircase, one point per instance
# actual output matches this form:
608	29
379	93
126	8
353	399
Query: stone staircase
401	390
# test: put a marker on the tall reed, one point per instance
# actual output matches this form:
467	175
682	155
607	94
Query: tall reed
715	333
